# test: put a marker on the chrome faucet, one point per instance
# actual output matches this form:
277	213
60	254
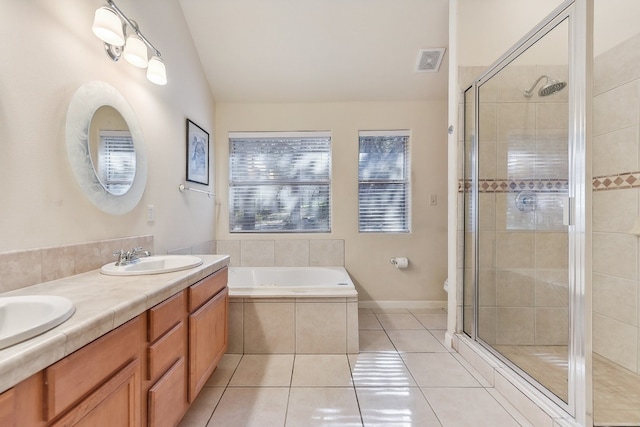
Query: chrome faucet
129	257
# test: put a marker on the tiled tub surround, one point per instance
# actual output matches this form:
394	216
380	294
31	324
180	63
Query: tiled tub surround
291	324
283	252
302	325
19	269
102	304
267	316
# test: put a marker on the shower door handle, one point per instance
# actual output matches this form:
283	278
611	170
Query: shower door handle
567	210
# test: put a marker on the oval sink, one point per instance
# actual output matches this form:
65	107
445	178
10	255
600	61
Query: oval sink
24	317
152	265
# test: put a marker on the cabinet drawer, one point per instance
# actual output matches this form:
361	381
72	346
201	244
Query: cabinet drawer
73	377
165	315
206	288
168	397
164	352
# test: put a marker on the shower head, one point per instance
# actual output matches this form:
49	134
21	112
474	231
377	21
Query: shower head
549	88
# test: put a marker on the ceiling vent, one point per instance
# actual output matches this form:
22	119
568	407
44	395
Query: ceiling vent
429	60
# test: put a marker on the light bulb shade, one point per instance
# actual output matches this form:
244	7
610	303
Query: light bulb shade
135	52
107	26
156	72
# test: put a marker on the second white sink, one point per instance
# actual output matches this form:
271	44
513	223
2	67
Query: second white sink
152	265
24	317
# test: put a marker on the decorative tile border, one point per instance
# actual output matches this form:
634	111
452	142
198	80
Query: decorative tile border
600	183
512	186
617	182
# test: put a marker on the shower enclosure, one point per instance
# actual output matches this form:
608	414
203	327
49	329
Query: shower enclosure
523	210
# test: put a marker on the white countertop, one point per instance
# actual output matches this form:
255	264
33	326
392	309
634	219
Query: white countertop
102	304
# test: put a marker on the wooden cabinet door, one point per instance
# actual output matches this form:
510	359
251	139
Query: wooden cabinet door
207	340
7	408
168	396
115	404
69	380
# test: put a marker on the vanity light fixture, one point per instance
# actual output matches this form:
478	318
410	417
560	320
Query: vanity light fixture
122	37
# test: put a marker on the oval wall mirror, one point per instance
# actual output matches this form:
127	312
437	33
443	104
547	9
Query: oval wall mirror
112	151
106	148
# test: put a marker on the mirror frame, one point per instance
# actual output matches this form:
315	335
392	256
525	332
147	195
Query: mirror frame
85	102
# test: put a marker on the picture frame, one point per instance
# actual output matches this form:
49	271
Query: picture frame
197	154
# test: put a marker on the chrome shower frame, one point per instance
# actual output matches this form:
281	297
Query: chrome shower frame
578	13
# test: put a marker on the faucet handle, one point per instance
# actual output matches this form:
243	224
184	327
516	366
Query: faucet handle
121	256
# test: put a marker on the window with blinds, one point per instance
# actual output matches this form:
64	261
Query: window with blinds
280	182
116	167
383	182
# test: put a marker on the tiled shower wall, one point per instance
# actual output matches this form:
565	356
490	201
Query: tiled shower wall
616	204
523	253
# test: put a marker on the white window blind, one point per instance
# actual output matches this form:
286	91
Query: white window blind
280	182
383	182
116	161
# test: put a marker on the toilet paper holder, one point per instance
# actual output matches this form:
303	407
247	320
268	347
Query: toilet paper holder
399	262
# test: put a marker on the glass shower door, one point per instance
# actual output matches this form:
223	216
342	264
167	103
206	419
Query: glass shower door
522	185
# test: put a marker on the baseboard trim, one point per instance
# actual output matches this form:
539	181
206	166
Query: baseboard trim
402	304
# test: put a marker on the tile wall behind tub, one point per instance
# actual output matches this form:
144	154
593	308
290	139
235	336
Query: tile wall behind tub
19	269
616	204
523	253
283	252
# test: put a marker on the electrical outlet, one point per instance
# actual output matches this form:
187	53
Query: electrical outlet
433	199
151	213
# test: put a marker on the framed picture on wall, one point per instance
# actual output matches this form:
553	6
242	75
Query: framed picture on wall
197	154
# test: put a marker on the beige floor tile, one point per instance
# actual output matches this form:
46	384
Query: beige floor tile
266	370
440	335
375	341
368	321
521	419
415	341
395	407
328	370
399	321
202	408
462	407
225	369
473	371
365	311
380	370
438	370
433	321
249	407
322	406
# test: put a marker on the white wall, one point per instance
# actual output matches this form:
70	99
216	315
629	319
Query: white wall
488	28
366	255
48	52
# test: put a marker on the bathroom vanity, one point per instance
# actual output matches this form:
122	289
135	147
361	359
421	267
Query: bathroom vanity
137	352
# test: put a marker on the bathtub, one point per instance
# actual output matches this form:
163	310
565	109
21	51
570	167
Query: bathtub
282	282
305	310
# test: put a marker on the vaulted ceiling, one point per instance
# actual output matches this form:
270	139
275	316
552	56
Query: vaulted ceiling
319	50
